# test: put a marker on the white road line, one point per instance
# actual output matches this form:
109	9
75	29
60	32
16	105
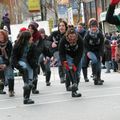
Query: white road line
59	101
34	96
59	93
36	104
6	108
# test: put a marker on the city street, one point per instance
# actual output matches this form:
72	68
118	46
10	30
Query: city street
55	103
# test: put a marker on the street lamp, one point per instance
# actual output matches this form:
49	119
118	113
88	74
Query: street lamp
41	9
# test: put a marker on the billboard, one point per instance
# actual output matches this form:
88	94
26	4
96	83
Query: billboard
70	16
62	11
34	5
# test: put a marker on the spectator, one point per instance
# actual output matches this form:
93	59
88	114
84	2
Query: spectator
107	53
6	22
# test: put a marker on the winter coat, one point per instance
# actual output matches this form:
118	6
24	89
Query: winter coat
75	51
42	48
113	48
31	57
56	37
107	50
82	33
117	54
47	42
94	43
8	50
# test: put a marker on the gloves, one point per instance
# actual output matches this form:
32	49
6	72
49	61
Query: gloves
65	64
74	68
114	2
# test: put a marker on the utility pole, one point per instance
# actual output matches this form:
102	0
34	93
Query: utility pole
96	4
85	12
41	9
56	13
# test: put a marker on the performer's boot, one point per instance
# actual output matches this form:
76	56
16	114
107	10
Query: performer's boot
26	94
48	75
61	74
67	84
11	87
97	81
2	87
34	89
85	74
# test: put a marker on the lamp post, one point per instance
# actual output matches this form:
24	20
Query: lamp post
41	9
96	4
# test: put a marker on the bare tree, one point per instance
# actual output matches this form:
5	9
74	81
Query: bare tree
56	12
79	9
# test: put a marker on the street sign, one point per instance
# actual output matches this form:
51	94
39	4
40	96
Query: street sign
34	5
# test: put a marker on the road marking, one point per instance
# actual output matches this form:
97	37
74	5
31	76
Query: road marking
6	108
58	93
59	101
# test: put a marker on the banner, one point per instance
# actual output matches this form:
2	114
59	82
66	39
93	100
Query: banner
70	16
34	5
63	2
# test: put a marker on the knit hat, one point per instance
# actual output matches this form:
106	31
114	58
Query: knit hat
6	14
23	29
92	22
34	24
42	30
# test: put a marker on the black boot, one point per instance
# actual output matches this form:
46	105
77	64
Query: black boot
73	87
11	87
100	82
75	94
28	101
97	81
85	74
61	74
35	81
34	89
67	84
2	79
2	87
48	75
26	95
43	67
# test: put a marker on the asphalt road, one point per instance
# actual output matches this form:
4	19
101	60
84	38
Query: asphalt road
55	103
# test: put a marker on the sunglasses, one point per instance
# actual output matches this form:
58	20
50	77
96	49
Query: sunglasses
2	44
